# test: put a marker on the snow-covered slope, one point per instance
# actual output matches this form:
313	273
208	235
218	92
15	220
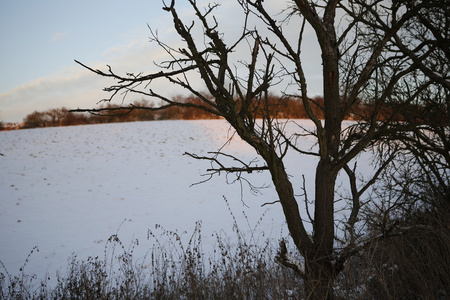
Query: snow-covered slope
67	189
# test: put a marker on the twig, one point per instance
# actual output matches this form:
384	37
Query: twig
270	203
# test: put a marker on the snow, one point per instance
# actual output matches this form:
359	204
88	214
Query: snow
68	189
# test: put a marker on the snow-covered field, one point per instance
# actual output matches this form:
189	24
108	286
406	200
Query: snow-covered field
68	189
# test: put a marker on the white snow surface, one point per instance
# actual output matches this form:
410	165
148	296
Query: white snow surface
68	189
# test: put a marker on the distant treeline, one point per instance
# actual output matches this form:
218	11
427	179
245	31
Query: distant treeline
281	107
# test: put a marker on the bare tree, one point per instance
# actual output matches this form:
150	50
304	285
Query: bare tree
370	55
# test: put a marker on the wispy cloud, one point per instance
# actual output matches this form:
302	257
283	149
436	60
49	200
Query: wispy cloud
75	86
61	89
58	36
125	48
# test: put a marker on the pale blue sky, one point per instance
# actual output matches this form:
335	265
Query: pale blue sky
41	39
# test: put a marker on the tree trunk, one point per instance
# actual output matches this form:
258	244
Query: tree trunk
324	209
319	275
289	204
318	280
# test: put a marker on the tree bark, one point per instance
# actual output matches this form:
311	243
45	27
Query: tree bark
324	210
319	266
289	204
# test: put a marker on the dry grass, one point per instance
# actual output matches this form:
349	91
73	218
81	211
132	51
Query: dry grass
174	268
415	265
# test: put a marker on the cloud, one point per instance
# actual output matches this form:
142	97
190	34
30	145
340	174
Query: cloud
76	87
123	49
43	93
58	36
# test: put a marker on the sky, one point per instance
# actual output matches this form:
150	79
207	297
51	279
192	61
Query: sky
41	39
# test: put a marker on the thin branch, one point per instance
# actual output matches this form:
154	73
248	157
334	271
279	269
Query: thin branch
270	203
246	168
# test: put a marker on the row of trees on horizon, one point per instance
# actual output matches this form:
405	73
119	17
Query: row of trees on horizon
145	110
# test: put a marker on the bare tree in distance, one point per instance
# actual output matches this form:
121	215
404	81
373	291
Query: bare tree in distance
371	56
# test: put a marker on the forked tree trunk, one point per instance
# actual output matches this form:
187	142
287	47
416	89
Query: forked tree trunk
283	186
319	273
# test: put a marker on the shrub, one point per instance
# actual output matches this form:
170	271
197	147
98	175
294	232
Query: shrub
409	261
